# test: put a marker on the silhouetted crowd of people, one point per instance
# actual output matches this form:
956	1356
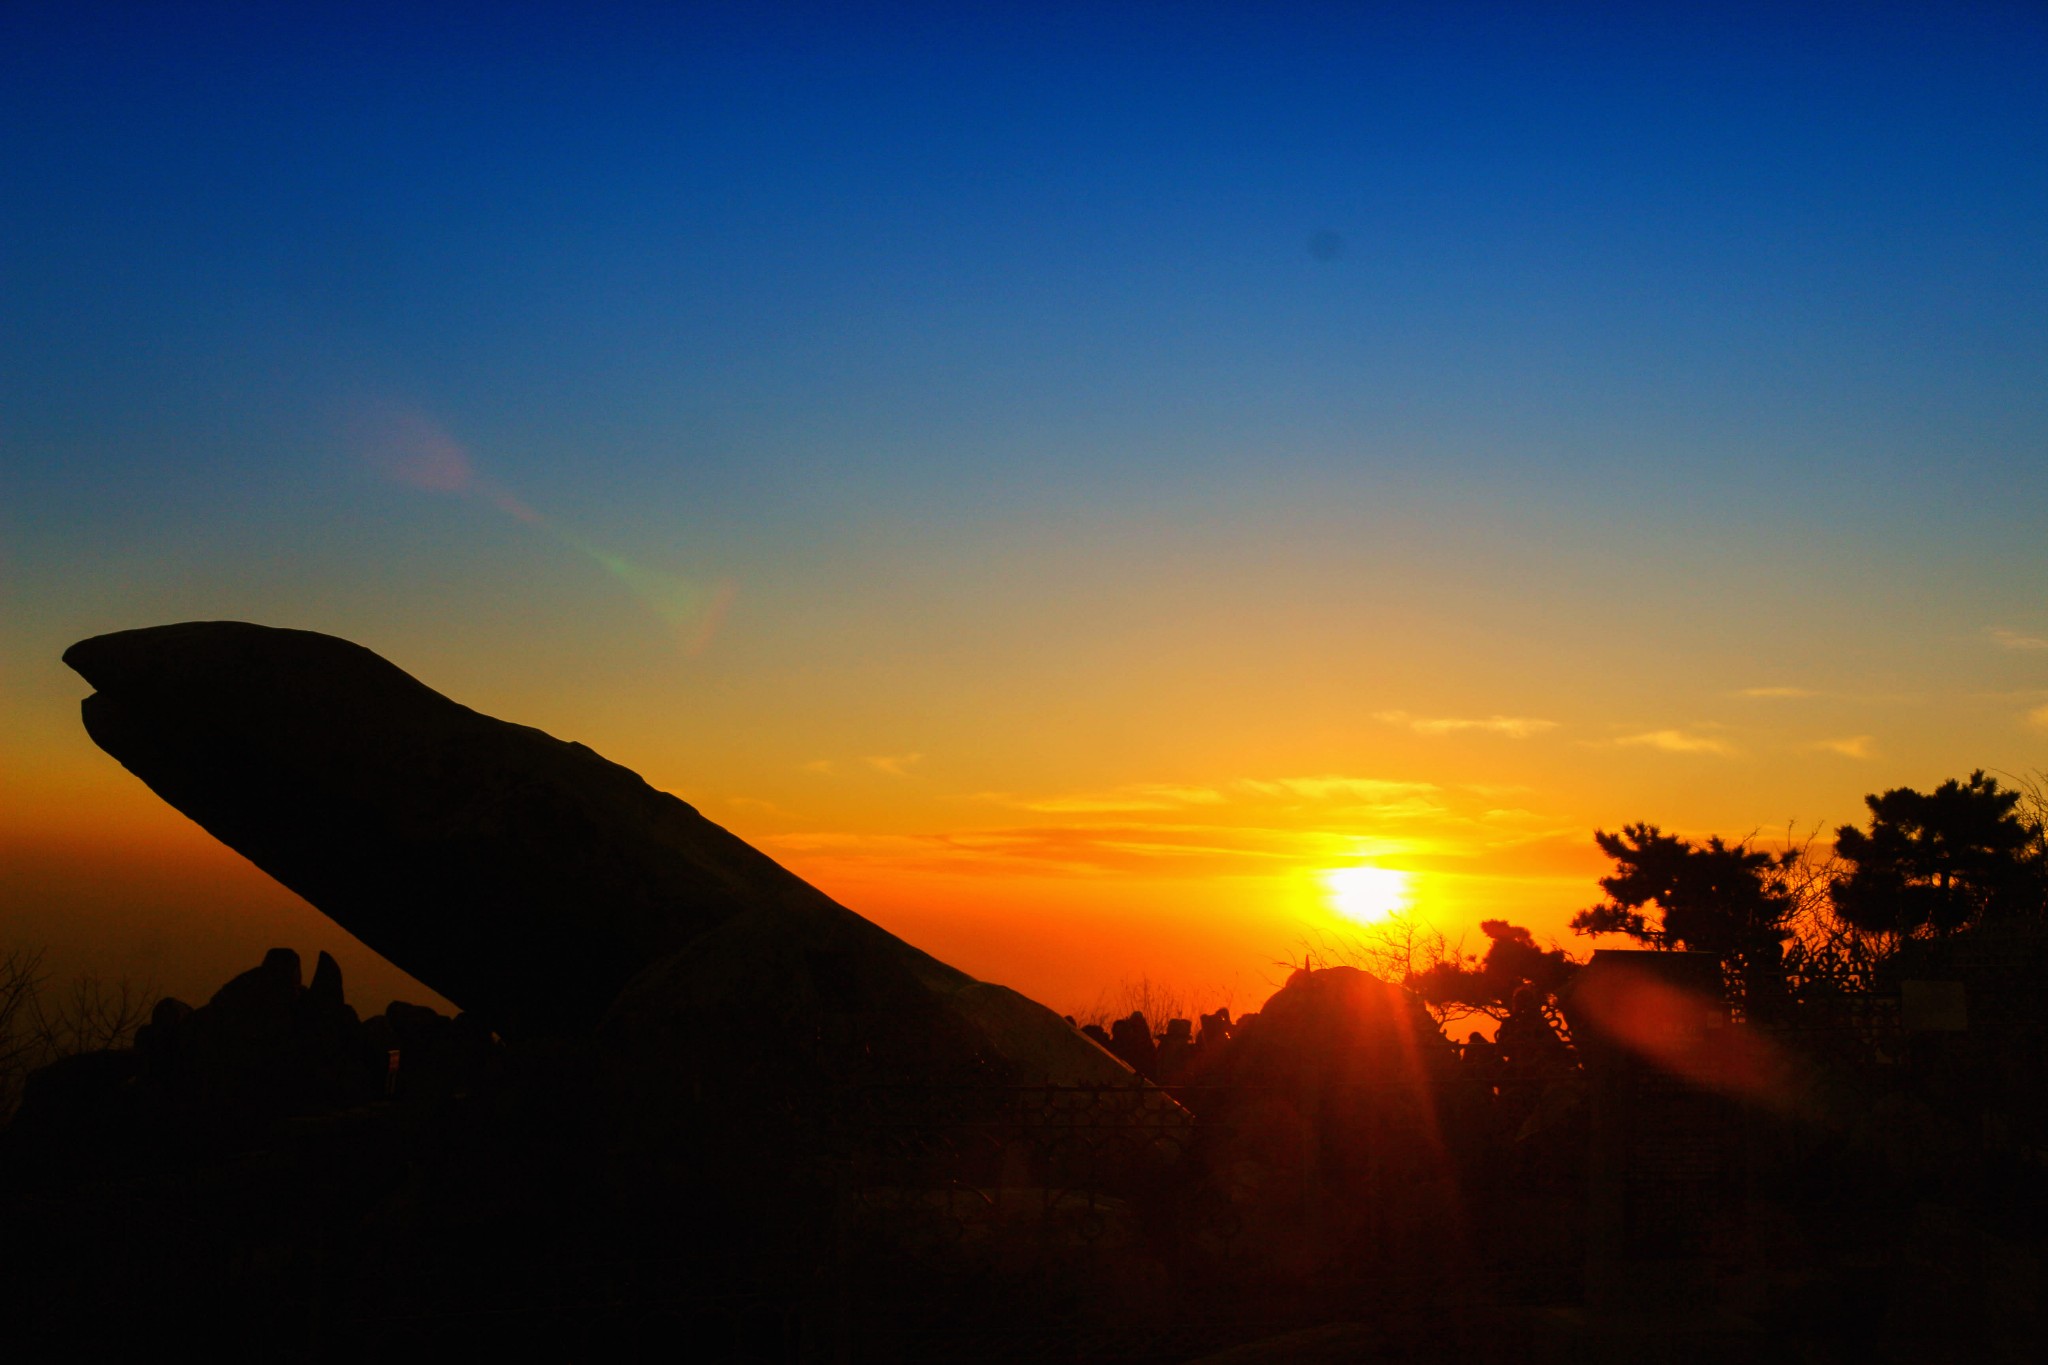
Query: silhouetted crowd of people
1177	1054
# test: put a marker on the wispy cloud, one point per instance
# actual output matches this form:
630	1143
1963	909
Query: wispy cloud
1496	790
1678	742
823	767
892	765
1514	727
754	803
1374	794
2012	639
1231	827
1854	746
1137	797
2038	719
1201	842
1087	850
1777	692
1333	786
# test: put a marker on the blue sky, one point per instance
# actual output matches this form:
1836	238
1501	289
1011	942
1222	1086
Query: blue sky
991	253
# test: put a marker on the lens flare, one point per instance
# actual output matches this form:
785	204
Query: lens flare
1685	1033
1366	894
412	449
693	610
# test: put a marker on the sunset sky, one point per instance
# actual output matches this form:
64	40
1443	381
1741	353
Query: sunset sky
1066	479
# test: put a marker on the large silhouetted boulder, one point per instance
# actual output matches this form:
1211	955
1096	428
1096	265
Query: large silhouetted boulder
1338	1084
529	879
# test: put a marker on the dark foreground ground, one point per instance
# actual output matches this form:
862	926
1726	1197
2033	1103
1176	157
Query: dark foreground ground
270	1176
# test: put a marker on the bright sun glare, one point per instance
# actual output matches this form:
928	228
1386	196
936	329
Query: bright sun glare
1366	894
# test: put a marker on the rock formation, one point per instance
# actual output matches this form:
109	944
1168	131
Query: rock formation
1338	1084
532	881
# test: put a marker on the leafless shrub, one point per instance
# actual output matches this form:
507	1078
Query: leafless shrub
2033	807
1825	953
96	1017
36	1030
1156	1000
21	981
1395	949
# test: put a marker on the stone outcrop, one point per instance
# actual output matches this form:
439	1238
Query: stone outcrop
1339	1083
543	888
265	1046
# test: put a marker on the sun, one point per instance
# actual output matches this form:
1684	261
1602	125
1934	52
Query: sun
1367	893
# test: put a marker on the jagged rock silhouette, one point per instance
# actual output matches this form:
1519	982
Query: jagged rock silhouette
527	878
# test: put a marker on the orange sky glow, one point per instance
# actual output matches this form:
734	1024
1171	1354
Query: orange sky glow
1209	878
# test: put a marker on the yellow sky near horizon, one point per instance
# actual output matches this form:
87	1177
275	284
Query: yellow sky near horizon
1206	875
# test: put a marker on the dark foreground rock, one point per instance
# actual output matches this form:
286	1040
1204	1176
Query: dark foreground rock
271	1175
268	1047
530	880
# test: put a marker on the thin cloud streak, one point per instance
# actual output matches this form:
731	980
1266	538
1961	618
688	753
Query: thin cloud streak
1368	794
1136	797
1513	727
1854	746
1331	786
1678	742
2012	639
1240	827
755	803
1123	847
